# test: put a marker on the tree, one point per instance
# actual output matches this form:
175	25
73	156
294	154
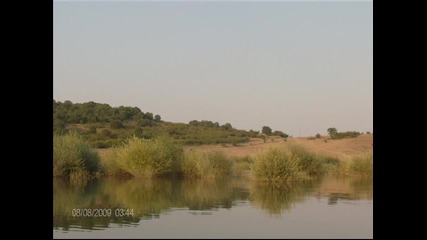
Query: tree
318	135
332	132
148	116
227	126
280	134
266	130
157	118
194	122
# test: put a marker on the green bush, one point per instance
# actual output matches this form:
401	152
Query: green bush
277	165
329	164
280	134
313	164
362	164
334	134
292	163
309	162
111	167
206	165
72	156
149	158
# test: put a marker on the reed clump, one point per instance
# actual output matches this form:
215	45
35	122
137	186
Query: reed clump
206	165
143	158
73	157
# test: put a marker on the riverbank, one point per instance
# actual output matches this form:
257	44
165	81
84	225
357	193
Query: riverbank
272	159
343	149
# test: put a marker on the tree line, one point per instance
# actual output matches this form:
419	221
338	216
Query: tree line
104	126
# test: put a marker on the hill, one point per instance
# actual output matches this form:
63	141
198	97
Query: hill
104	126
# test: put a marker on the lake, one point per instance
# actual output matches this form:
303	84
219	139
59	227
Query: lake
326	207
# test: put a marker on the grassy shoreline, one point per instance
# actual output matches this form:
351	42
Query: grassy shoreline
160	157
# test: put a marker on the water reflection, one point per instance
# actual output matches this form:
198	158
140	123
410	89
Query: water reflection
277	198
344	188
150	198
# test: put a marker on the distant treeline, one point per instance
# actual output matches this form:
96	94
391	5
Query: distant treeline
334	134
92	112
104	126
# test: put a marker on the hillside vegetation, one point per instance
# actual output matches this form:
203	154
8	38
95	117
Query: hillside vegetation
104	126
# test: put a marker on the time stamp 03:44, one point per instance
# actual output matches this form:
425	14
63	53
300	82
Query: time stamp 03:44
102	212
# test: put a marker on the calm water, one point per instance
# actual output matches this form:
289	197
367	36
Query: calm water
330	207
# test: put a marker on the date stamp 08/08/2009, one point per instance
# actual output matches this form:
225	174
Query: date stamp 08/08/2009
102	212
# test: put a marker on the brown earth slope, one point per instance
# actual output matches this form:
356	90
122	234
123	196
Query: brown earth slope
341	148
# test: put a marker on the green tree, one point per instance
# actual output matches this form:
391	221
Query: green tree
318	135
280	134
148	116
193	122
227	126
266	130
332	132
157	118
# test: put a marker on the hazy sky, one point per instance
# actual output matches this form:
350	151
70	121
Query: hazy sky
287	65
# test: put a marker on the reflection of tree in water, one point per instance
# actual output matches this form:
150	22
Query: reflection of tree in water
345	188
205	194
69	196
147	197
150	197
363	187
277	198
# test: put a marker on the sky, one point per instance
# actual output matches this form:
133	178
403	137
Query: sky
298	67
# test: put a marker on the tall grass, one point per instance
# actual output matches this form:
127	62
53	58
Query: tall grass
309	162
111	167
241	166
147	158
362	164
291	163
73	157
206	165
313	164
277	165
